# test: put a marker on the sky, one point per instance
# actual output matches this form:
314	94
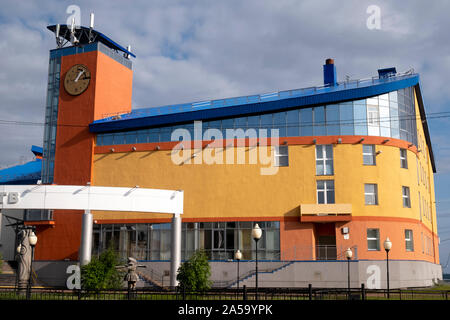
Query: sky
200	50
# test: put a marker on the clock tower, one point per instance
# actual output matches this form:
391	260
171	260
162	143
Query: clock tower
90	77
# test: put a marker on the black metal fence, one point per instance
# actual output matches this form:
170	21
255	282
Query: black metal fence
244	294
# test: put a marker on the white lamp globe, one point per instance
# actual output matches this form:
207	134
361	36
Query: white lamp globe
387	244
256	232
348	253
32	238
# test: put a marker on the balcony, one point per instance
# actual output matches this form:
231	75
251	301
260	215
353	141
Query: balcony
325	212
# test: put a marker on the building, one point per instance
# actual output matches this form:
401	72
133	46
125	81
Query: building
321	169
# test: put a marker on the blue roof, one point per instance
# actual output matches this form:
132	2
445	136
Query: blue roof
82	33
269	102
28	173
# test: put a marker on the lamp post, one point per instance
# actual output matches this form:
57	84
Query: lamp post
348	255
32	239
256	235
387	247
238	257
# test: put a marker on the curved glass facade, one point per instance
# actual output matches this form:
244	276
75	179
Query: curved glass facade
388	115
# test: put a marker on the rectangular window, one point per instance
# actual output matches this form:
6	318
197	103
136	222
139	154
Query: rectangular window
325	191
373	239
409	243
406	198
324	160
281	156
371	194
369	155
403	159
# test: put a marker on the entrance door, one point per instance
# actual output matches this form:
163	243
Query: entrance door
325	241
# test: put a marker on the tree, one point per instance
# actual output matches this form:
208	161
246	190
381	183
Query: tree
101	273
193	275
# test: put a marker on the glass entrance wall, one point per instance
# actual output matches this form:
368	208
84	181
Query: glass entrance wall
219	240
387	115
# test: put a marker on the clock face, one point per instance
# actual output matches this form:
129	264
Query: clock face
77	79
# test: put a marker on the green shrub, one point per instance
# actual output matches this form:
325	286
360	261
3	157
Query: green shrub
101	273
193	275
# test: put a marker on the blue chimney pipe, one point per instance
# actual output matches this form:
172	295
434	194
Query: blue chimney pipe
329	73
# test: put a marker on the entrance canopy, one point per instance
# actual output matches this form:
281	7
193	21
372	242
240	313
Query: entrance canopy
90	198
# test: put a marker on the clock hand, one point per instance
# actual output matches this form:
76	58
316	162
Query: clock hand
79	75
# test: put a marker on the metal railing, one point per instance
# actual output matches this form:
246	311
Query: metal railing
201	105
307	293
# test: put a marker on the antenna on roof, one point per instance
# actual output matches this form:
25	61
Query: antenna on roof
73	39
91	27
59	41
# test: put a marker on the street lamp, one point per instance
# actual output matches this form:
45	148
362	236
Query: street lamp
256	235
32	240
238	257
348	255
387	247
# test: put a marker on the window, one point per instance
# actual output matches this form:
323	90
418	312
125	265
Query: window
406	198
409	243
324	160
325	191
373	239
281	156
403	159
371	194
369	154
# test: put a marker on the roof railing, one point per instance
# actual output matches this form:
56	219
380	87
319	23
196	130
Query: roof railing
207	104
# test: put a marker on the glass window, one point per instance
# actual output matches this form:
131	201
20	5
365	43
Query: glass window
279	122
370	194
346	118
360	117
267	122
142	136
306	122
373	120
253	122
165	134
332	120
324	160
240	123
119	138
281	154
153	135
373	239
325	191
403	159
409	242
385	121
319	121
293	122
107	139
406	198
227	124
369	157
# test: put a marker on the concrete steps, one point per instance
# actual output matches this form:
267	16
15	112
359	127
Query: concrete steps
7	275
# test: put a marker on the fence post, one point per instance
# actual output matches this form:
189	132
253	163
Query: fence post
363	292
310	291
245	293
